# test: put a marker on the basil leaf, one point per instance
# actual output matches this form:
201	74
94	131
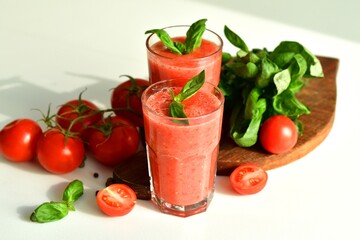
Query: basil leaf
165	39
180	46
73	191
296	85
299	126
49	212
244	70
194	35
235	40
298	67
251	57
282	80
287	104
247	135
53	211
315	69
226	57
283	54
268	69
191	87
192	41
177	110
251	102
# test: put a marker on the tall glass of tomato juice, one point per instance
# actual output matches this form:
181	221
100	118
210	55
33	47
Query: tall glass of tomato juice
164	64
182	152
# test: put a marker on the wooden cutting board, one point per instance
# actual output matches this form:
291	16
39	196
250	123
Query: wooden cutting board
320	96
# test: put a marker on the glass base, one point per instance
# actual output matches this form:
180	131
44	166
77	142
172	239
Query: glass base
182	211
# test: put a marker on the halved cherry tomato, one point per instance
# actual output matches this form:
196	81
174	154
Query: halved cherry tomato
248	179
81	109
58	154
116	199
18	140
127	97
278	134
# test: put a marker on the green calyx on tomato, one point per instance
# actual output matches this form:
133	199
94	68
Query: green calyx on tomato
113	140
189	90
54	211
258	84
76	115
193	38
59	153
134	88
126	99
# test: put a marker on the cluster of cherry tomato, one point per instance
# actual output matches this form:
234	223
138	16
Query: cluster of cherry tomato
80	125
77	126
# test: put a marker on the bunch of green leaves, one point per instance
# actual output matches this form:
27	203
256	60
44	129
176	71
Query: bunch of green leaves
189	90
53	211
192	41
258	84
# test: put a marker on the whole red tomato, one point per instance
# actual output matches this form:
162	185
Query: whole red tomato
114	140
278	134
127	98
60	154
83	110
18	140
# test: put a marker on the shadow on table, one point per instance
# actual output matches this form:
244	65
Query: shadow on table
19	98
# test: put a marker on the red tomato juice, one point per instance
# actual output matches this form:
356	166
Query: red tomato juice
164	64
182	157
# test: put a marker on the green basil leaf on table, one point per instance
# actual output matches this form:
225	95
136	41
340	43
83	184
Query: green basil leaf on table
53	211
73	191
49	212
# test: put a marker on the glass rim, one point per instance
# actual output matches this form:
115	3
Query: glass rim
222	100
148	47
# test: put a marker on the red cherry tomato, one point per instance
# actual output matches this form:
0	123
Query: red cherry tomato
278	134
114	140
248	179
116	199
127	96
78	108
18	140
59	155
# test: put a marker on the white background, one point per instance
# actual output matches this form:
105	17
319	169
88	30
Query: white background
52	50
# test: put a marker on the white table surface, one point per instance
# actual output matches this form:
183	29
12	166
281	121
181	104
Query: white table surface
51	50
